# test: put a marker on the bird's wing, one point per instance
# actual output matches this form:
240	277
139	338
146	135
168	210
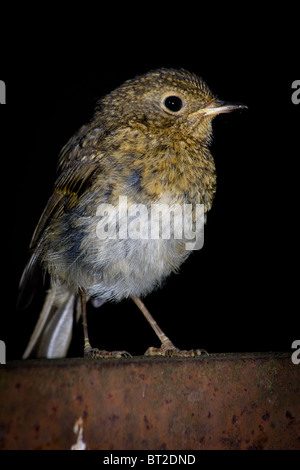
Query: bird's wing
68	188
78	164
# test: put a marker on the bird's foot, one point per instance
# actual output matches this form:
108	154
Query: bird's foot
95	353
169	350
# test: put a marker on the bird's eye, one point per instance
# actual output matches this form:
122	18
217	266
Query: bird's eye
173	103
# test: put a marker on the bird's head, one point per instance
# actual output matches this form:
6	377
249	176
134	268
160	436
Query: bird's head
176	103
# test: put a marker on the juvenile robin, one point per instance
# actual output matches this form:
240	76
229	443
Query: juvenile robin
147	143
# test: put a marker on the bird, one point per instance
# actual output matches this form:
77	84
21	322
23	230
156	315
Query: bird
147	144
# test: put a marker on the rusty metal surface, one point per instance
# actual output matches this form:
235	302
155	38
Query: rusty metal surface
232	401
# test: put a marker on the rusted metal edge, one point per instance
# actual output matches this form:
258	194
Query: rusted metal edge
220	401
79	361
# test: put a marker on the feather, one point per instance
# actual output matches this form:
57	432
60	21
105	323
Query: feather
68	188
57	336
53	331
40	323
52	334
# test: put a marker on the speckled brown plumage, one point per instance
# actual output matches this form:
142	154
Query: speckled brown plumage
149	141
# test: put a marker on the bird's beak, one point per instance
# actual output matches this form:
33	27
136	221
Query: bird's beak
218	107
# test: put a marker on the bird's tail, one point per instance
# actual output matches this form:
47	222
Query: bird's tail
53	332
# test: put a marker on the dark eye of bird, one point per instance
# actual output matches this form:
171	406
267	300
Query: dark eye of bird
173	103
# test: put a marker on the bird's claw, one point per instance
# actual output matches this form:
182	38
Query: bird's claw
95	353
169	350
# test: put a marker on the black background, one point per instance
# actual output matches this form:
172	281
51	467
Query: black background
239	292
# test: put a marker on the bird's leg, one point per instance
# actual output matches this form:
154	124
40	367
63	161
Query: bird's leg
167	347
166	343
88	350
87	345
